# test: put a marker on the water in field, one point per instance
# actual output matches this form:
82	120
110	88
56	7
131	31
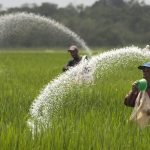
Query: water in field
22	28
50	99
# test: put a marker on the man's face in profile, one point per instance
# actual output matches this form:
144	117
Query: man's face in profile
73	53
146	73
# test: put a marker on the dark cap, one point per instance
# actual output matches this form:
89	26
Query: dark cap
146	65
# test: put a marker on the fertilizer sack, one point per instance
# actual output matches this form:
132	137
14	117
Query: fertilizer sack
141	111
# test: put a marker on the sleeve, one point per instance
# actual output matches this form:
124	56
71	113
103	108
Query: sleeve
130	99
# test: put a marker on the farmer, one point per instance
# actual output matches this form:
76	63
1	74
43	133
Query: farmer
73	50
132	95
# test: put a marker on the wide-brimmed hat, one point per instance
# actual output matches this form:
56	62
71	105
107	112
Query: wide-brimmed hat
145	65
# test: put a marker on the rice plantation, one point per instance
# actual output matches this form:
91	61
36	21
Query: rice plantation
90	116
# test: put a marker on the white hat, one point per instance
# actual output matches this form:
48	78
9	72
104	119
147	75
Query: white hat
73	47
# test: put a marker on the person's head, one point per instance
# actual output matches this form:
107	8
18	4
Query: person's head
146	70
73	50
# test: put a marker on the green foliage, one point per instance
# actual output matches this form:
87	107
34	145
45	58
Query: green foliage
105	23
91	117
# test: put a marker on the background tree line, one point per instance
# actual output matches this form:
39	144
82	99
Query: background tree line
105	23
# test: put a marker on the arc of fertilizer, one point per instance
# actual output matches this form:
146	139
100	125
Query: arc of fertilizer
50	98
16	20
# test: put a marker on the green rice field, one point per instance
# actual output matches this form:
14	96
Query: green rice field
91	117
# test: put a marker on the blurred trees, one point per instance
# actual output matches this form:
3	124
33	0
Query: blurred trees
105	23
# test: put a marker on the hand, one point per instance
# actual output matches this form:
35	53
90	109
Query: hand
65	68
134	87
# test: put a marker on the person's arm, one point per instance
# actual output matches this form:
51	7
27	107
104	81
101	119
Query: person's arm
131	96
67	66
130	99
